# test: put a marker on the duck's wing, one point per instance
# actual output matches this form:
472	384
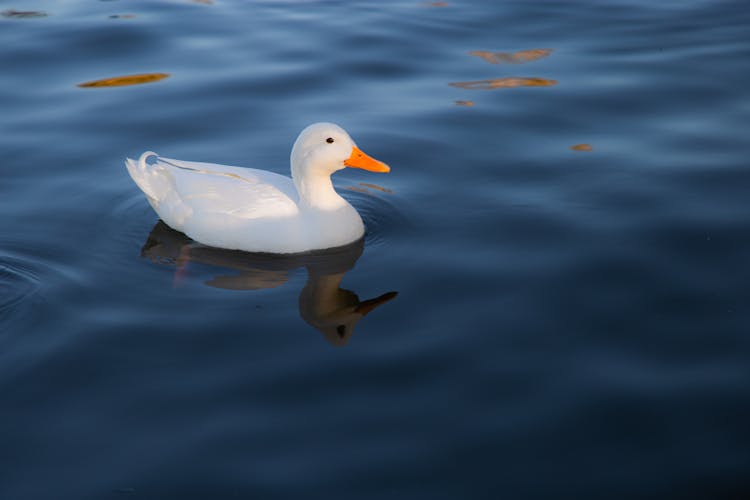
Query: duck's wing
180	190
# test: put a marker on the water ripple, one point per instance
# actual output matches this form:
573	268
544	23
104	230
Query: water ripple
19	284
382	218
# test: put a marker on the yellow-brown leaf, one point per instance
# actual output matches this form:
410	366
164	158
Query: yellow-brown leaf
120	81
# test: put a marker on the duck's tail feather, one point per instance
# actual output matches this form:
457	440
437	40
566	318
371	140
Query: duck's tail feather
148	177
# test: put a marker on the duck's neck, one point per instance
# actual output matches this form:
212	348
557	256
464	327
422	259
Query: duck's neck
316	192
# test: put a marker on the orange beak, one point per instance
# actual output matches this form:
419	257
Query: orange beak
359	159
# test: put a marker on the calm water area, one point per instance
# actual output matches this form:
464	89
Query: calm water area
552	299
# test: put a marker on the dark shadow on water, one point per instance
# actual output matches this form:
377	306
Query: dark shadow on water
323	304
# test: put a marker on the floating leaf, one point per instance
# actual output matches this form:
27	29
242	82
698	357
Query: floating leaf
522	56
376	187
120	81
23	13
581	147
464	103
504	83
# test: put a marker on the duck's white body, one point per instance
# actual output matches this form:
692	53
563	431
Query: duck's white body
256	210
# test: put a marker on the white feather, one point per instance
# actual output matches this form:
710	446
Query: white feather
257	210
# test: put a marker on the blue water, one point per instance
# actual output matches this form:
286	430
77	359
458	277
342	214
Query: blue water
542	322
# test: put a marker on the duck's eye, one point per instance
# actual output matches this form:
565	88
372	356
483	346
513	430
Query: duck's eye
329	140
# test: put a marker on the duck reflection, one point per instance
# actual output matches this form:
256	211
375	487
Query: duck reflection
323	304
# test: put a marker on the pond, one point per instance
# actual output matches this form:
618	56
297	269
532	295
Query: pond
551	299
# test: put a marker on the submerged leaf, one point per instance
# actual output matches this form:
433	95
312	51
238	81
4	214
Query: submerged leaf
120	81
581	147
522	56
504	83
375	187
23	13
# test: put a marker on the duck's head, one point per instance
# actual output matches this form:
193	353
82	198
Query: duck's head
324	148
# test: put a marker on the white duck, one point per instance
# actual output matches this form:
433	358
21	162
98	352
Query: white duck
256	210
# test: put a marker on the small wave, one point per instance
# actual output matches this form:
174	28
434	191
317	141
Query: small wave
19	283
381	217
134	216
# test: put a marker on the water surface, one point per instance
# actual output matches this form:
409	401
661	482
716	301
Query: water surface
526	318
